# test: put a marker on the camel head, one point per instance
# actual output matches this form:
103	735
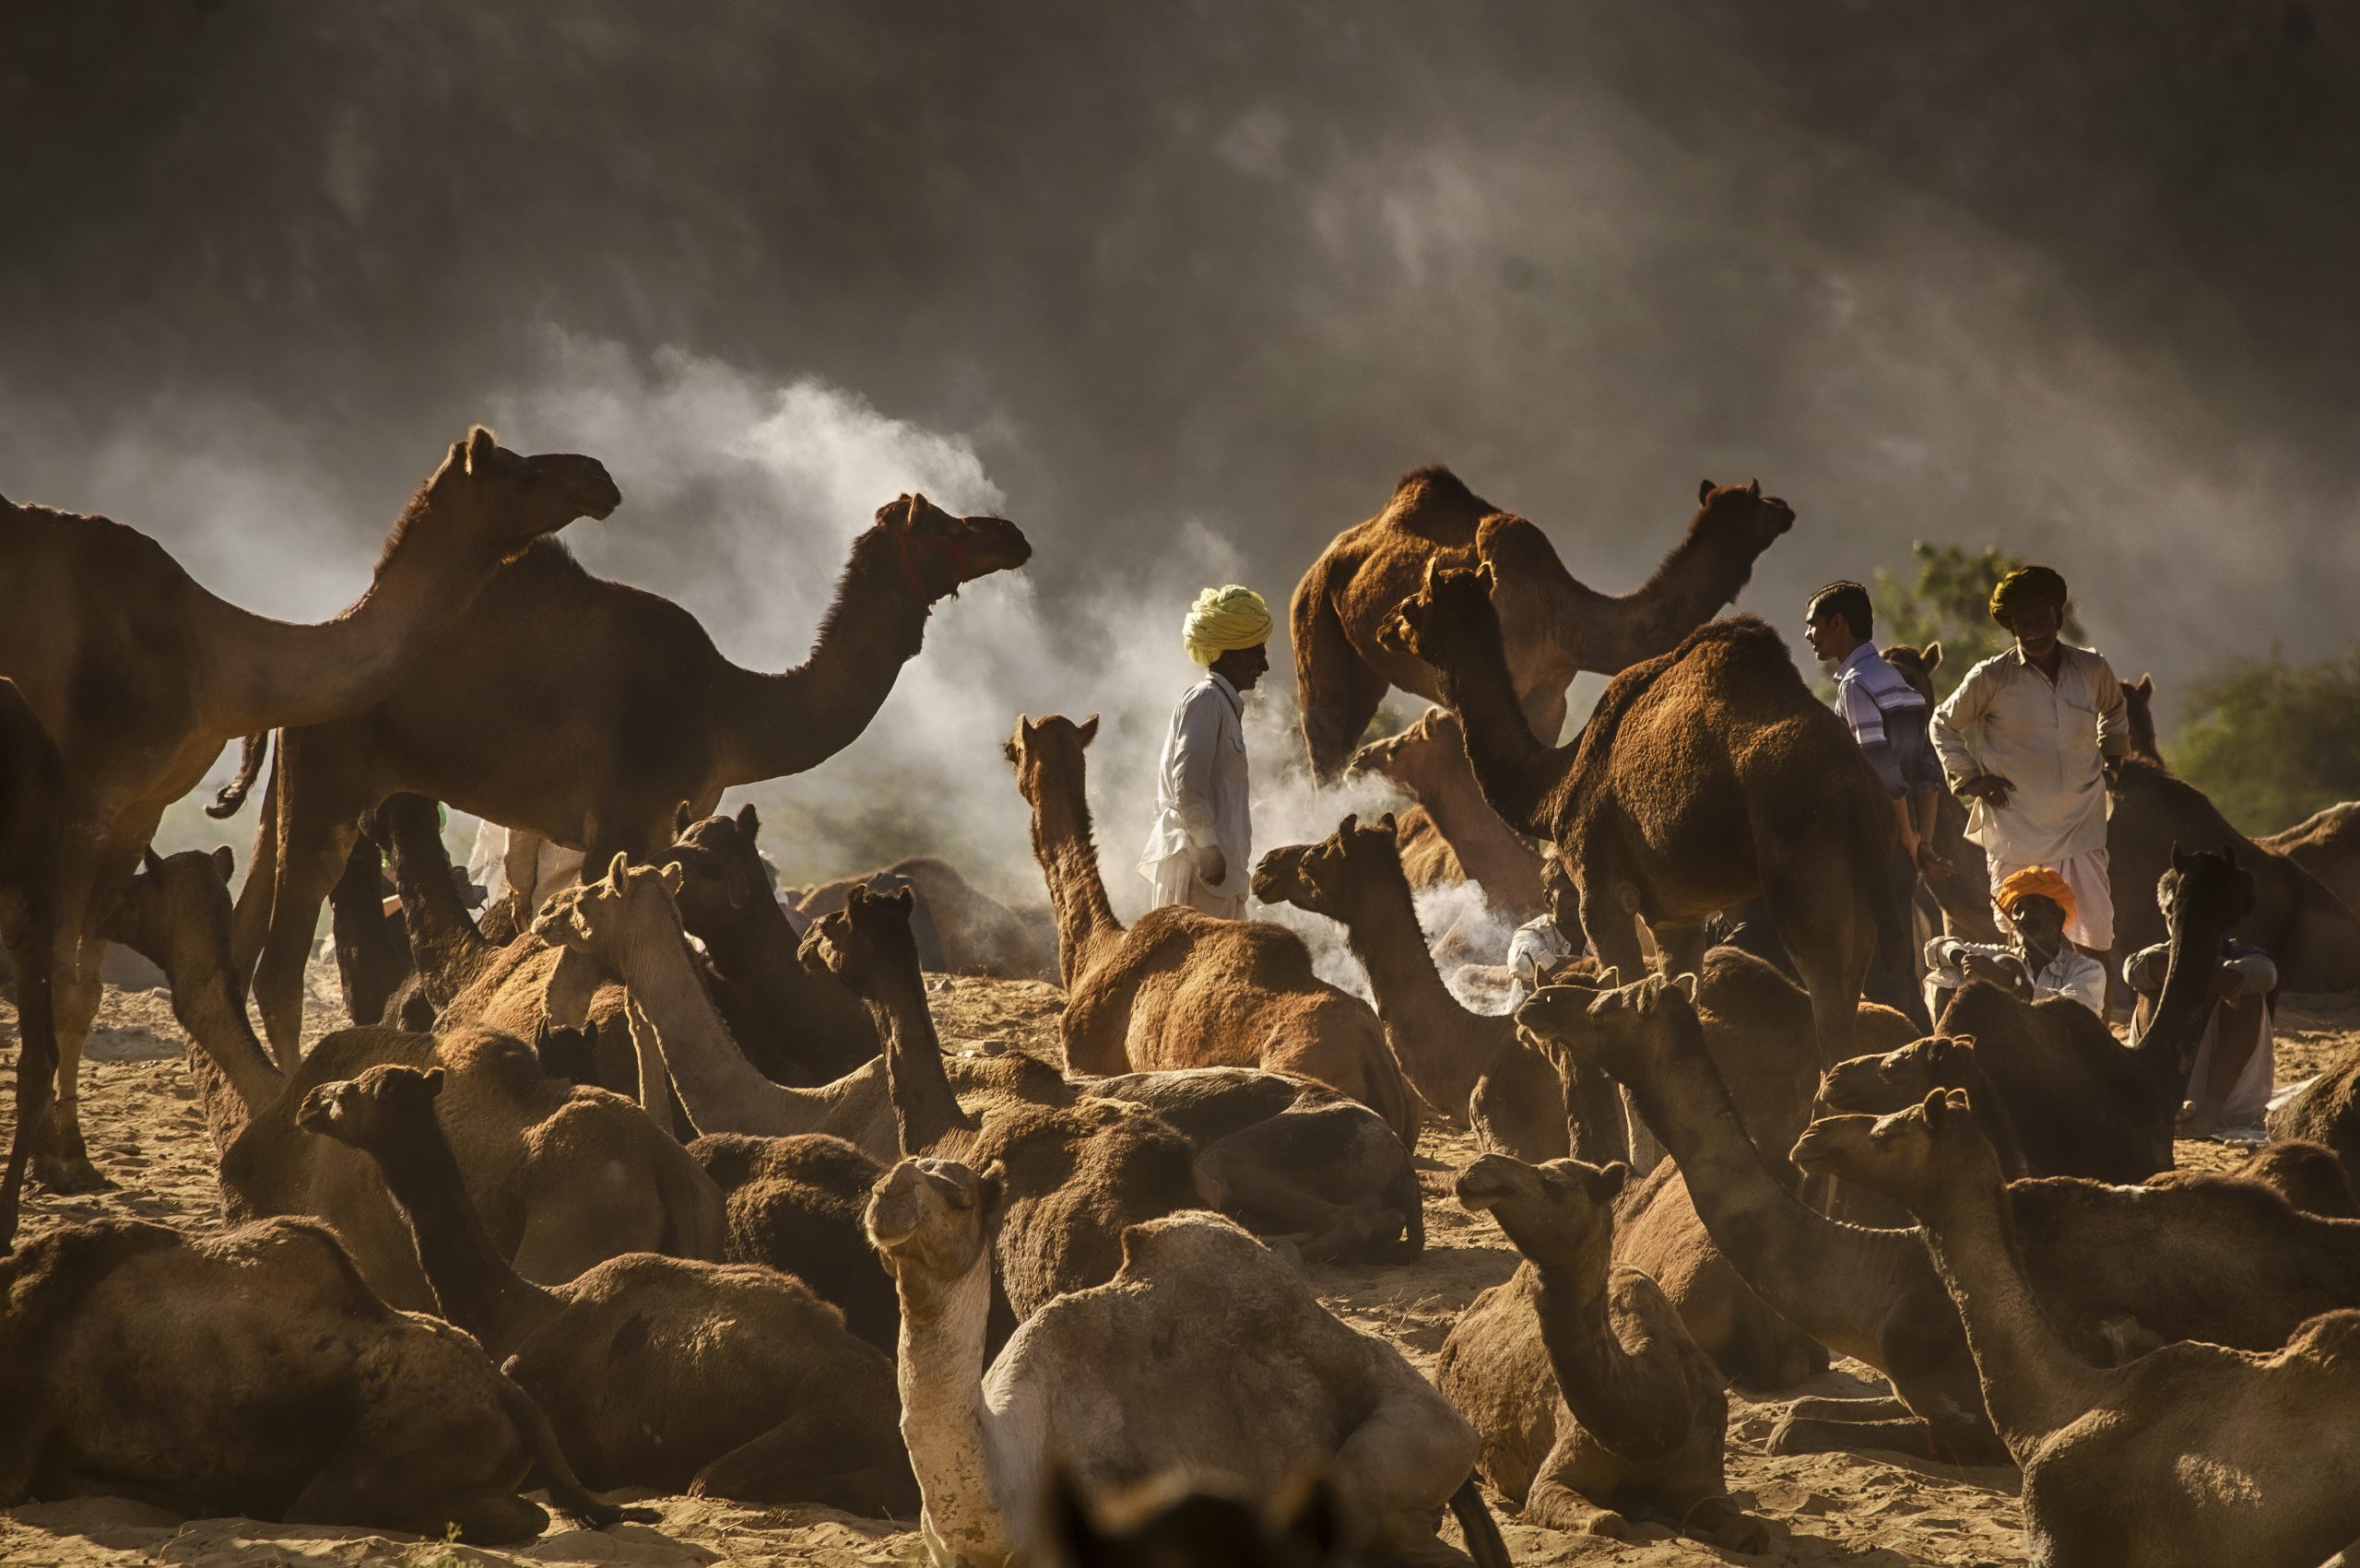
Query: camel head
1619	1029
1444	619
1897	1079
1912	1156
1049	750
1420	757
600	920
1169	1522
488	496
932	1216
1739	518
2139	711
1916	666
1329	877
2202	895
940	553
868	944
373	1110
721	871
174	911
1562	1212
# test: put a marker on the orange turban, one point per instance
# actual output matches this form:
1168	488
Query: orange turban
2036	881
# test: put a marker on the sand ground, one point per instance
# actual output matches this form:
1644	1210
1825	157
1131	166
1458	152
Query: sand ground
1875	1511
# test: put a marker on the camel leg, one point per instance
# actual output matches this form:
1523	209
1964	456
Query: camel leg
1614	937
310	862
806	1458
483	1515
249	919
1795	1434
1397	1469
61	1161
1553	1503
1830	954
1682	947
1719	1520
32	954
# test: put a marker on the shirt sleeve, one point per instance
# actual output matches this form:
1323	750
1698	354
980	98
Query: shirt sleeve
2085	983
1192	766
2257	976
2114	714
2144	970
1955	721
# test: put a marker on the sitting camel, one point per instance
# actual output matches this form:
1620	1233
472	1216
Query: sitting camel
794	1205
2326	1111
1703	778
1252	1377
728	1380
1594	1405
2188	1457
566	1176
1555	627
1429	760
2326	844
642	707
140	676
253	1372
962	929
32	825
2307	1176
1183	988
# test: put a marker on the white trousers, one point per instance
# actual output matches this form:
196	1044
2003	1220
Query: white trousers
1175	880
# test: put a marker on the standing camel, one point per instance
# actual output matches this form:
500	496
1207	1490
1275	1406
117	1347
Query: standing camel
1704	777
1555	626
587	711
141	677
32	808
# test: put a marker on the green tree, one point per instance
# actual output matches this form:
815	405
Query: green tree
2273	742
1949	601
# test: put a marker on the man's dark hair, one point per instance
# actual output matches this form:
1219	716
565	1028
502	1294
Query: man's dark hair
1849	600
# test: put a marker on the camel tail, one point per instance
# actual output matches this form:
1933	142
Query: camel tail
1475	1522
250	753
1404	1194
551	1466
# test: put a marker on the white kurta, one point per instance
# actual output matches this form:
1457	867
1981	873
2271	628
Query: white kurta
2048	739
1202	799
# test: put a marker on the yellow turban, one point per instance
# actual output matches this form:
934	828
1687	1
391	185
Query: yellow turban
2036	881
1222	619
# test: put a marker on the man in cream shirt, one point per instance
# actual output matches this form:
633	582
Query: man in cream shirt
1200	851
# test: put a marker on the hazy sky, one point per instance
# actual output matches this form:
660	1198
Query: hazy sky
1181	287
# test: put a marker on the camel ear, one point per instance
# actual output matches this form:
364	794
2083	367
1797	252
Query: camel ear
1345	827
680	819
918	510
481	444
1611	1176
224	861
1687	985
433	1078
672	876
1488	578
747	824
2144	686
1392	829
1609	979
618	870
1703	491
1932	657
905	895
994	1182
1088	729
1755	489
153	862
2179	859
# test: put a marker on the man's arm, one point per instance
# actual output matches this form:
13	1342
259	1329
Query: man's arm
1952	727
1192	767
2113	713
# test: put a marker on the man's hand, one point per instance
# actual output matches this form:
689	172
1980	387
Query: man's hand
1998	970
1212	866
1932	862
1987	786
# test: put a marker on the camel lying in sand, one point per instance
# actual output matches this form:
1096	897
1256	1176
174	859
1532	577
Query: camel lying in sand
2326	1111
254	1372
1594	1405
961	929
2326	844
1429	760
139	676
32	826
1254	1379
566	1176
2189	1457
713	1378
794	1205
1183	988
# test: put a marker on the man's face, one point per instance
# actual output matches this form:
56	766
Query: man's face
1830	636
2035	630
1564	903
1245	666
2039	923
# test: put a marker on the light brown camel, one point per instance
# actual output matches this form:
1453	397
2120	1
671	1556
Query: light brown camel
140	676
1595	1406
32	828
1429	760
1704	777
552	662
566	1176
961	928
2307	931
719	1379
2326	844
254	1372
1252	1379
1181	988
2189	1457
1555	627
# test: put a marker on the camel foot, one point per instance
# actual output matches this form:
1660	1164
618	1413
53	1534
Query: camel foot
68	1174
1719	1521
1608	1524
488	1517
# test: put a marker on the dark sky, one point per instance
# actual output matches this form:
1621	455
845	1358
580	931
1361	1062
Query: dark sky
2078	279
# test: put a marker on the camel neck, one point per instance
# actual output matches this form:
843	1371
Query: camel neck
1062	843
1514	770
939	1369
236	1079
2175	1030
2032	1383
925	1110
787	723
476	1286
1443	1048
1609	1391
1610	632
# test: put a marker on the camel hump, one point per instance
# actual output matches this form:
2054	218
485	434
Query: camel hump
1437	486
1192	1242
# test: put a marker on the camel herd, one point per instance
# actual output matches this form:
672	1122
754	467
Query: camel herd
667	1183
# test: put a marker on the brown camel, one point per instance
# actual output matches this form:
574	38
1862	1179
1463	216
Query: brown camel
1167	1521
2189	1457
32	827
2307	1176
641	705
1247	1378
1704	777
1555	627
720	1379
140	699
2308	932
2326	844
2326	1111
961	929
795	1205
1429	760
566	1176
1595	1406
1183	988
254	1372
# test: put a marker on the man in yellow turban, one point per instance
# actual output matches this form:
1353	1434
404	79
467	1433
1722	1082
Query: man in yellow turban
2039	904
1200	851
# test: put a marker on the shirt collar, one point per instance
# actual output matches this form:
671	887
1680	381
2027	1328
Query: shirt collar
1220	684
1857	657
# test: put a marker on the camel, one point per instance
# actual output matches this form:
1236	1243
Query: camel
1254	1378
2326	844
2326	1111
140	699
2307	1176
1594	1405
375	969
1962	894
1555	627
32	827
2189	1456
1704	777
794	1205
1181	988
2308	932
566	1176
1428	760
643	707
254	1372
962	929
1167	1521
721	1379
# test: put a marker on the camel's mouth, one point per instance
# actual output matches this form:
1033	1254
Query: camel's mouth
317	1112
1820	1149
1484	1185
893	1218
992	543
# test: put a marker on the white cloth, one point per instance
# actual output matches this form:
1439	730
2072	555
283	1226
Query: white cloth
1537	948
1175	880
2048	741
2076	975
497	863
1202	797
2093	922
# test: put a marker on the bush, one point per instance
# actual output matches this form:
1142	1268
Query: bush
2273	742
